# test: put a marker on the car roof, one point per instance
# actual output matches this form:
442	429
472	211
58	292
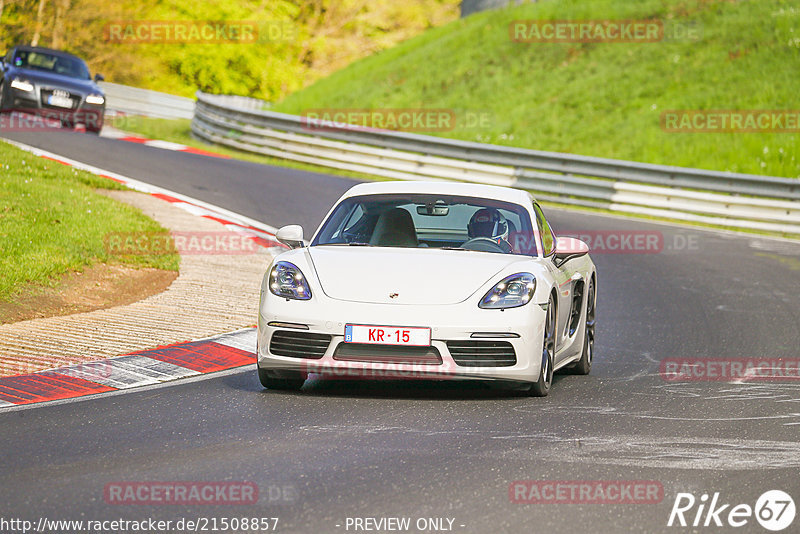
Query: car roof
507	194
42	49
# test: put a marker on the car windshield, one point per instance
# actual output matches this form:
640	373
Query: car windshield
55	63
430	221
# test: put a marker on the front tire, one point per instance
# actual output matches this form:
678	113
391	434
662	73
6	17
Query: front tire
287	381
2	97
541	387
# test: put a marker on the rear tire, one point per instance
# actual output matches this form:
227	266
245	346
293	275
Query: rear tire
584	365
287	381
541	387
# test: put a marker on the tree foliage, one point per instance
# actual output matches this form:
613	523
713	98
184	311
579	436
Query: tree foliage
298	42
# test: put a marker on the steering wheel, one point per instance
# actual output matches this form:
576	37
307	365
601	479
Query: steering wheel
483	244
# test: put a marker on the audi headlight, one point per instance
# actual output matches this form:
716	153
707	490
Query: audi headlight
287	281
22	85
511	292
95	99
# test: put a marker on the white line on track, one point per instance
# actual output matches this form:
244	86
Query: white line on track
191	203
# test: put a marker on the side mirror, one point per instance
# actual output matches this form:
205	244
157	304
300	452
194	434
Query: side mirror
291	235
99	78
568	248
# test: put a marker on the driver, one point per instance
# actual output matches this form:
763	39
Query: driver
490	223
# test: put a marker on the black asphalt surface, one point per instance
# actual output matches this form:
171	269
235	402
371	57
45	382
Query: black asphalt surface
346	449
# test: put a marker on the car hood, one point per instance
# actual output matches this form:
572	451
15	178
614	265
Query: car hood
50	80
416	276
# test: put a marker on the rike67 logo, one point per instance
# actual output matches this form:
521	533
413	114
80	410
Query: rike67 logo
774	510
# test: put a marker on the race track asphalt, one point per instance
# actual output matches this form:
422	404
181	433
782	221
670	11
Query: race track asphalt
347	449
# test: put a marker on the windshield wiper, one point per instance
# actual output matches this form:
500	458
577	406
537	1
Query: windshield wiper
359	244
453	248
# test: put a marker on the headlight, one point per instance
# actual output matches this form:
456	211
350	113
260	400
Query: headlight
95	99
22	85
287	281
511	292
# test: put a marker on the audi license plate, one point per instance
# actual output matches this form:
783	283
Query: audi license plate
387	335
59	101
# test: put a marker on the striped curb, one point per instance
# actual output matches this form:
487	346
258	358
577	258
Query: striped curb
152	366
260	233
119	135
110	132
143	368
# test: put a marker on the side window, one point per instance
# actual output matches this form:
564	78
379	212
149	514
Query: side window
354	218
548	239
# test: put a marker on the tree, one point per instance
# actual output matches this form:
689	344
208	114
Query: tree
62	8
37	33
298	41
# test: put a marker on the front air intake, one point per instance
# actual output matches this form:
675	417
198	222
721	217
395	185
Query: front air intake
299	344
482	353
361	352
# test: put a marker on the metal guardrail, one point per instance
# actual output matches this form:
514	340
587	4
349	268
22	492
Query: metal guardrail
746	201
135	101
468	7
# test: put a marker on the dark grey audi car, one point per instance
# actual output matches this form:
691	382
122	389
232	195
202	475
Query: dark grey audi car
52	84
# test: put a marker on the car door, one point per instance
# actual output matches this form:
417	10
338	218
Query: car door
560	275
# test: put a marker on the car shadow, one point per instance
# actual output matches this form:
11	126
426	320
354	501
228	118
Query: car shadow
318	386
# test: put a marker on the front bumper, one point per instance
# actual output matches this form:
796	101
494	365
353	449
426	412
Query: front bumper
33	102
459	322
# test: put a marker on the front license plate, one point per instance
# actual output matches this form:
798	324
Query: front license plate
387	335
59	101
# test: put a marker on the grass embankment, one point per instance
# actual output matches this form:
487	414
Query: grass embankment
597	99
52	221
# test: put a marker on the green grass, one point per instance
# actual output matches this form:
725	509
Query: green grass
52	221
597	99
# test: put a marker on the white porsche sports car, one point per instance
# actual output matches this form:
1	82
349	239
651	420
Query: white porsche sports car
428	280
